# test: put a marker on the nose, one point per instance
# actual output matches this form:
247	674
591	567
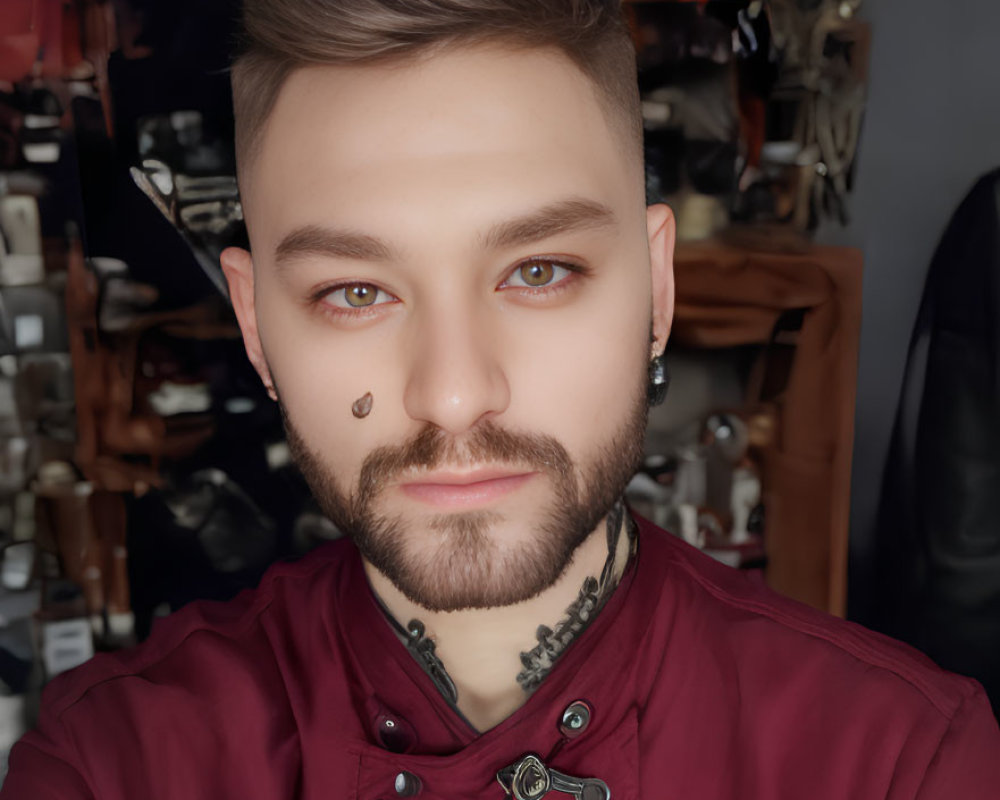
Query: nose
456	376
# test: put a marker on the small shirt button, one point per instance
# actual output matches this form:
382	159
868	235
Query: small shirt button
394	734
575	719
408	785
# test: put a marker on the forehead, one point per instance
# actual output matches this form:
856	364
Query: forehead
467	132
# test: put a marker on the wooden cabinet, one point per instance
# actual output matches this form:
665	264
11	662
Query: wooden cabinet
730	295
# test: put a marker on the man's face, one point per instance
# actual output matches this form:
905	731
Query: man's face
464	238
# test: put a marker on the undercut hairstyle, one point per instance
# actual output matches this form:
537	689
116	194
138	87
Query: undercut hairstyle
280	36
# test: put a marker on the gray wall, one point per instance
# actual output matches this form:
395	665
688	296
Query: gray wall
931	128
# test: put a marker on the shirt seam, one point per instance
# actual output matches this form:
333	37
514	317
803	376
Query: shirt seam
118	673
69	765
856	649
940	745
263	601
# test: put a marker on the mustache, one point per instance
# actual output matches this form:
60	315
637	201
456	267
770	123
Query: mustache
488	442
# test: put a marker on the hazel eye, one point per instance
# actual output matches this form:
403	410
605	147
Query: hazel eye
357	295
362	294
537	274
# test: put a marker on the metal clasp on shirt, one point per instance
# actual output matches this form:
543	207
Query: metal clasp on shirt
529	779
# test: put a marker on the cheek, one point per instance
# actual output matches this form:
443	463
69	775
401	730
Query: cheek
580	377
319	375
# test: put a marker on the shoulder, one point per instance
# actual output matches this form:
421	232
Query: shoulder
225	637
766	633
790	691
214	678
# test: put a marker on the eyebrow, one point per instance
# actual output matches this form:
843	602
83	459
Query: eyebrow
563	216
314	240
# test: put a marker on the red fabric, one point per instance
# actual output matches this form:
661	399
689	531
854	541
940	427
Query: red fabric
32	31
18	17
704	685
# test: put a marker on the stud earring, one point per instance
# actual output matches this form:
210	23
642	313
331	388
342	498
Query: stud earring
659	380
362	407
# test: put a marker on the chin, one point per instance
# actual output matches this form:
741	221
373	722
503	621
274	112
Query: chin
471	560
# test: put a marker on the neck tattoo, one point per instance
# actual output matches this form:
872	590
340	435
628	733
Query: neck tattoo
552	643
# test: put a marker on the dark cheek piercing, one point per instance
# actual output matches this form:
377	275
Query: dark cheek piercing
362	406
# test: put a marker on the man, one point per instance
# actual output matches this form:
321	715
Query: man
457	295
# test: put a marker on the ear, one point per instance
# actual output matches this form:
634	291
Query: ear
661	231
237	265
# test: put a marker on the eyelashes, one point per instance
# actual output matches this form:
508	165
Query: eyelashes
533	279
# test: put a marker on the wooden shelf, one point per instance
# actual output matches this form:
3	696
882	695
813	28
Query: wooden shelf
730	295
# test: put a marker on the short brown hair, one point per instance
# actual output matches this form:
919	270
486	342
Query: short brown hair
280	36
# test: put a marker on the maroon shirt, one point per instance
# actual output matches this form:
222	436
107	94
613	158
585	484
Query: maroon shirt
702	685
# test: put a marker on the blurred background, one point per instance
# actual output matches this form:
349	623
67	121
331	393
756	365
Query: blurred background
832	424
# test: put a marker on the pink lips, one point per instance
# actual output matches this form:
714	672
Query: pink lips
461	490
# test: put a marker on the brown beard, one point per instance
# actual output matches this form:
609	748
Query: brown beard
467	568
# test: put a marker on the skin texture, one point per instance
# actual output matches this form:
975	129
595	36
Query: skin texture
419	169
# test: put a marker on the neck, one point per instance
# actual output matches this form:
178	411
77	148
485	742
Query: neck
482	648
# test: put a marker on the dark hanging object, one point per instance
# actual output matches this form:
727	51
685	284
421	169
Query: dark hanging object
937	571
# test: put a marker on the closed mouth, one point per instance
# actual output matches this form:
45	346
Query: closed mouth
465	489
